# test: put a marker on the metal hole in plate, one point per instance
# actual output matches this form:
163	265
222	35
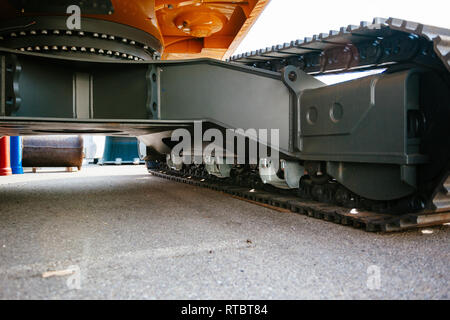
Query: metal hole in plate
312	115
336	112
292	76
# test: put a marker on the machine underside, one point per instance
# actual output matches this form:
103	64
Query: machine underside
380	143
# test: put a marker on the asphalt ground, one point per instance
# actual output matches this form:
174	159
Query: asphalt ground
116	232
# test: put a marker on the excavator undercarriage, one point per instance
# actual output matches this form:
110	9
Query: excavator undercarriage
372	152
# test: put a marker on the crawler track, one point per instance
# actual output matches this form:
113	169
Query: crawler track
367	46
366	220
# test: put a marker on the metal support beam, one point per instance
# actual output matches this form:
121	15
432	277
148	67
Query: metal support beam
208	90
378	120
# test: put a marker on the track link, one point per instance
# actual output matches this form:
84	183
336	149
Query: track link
366	220
357	47
442	199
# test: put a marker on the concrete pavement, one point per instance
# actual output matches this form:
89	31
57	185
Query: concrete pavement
120	233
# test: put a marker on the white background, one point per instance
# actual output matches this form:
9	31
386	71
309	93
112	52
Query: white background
286	20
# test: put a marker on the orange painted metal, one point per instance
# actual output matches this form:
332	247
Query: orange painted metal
205	28
185	28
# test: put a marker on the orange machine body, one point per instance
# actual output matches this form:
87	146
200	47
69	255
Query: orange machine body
185	28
